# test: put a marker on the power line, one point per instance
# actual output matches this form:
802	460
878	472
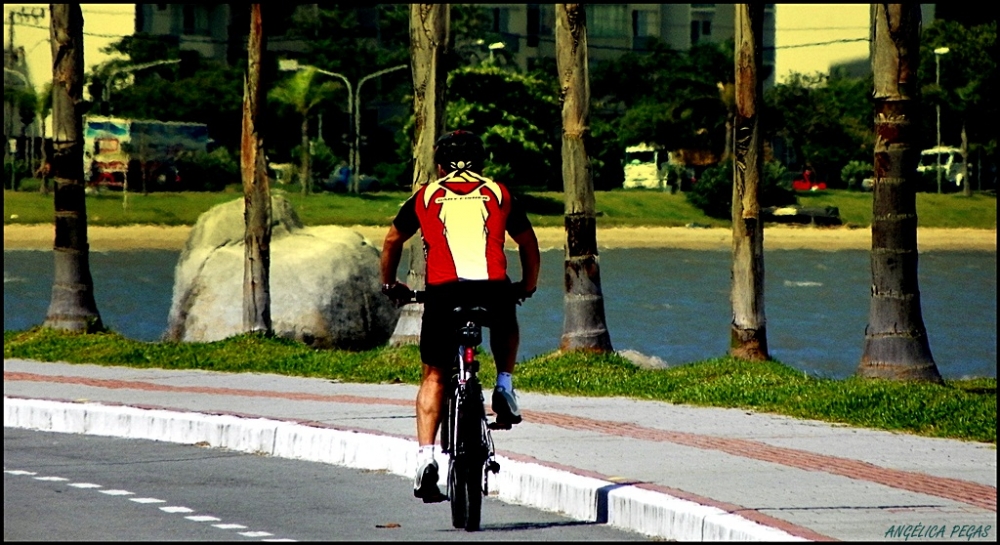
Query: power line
832	42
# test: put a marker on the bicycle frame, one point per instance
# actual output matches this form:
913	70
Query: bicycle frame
466	437
465	432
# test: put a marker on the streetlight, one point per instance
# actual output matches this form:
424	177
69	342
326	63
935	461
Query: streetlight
353	107
10	124
107	86
291	65
493	47
355	175
937	79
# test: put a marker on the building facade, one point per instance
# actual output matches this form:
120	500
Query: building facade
528	30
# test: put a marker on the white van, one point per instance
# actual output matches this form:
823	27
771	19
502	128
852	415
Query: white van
642	167
951	166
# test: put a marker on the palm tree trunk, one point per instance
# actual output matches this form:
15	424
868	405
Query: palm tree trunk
966	182
304	155
748	334
44	170
896	345
256	191
73	307
584	325
429	43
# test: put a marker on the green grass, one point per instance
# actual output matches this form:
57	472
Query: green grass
960	409
949	211
618	208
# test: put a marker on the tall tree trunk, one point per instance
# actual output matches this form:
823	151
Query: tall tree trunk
748	335
304	174
896	345
256	190
966	182
45	170
429	36
73	307
584	325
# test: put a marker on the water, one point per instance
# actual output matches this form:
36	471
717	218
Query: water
673	304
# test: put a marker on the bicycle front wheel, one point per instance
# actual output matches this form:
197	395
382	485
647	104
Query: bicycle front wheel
465	472
467	495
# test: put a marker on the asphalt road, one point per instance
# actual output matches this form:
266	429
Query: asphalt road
82	487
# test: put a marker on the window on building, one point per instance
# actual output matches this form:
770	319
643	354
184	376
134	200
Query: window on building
607	20
189	19
645	23
501	19
700	28
534	24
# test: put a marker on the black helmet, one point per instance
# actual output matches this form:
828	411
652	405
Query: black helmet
460	150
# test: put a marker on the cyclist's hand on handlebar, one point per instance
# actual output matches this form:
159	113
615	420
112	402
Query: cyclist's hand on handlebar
398	292
521	293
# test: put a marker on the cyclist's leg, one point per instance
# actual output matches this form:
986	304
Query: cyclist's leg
429	398
428	403
505	337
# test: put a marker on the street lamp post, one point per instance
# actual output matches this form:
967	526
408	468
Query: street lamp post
493	47
355	174
937	79
9	124
107	85
293	64
353	107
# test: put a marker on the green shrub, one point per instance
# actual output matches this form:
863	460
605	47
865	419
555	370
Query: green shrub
713	192
201	171
20	171
854	172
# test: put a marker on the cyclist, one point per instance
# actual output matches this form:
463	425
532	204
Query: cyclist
463	217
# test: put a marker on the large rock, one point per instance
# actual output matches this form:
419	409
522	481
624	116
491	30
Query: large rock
324	282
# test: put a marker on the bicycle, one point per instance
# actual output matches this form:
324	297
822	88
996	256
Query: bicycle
465	431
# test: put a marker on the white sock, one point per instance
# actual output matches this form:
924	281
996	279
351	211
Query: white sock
505	381
425	452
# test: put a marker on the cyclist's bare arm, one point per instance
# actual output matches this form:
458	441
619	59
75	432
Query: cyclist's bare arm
527	248
392	251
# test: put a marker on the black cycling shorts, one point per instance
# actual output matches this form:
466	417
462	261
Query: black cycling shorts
438	343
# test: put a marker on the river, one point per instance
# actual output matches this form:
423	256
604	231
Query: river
672	304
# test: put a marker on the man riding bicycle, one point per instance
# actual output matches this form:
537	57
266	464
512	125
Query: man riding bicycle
463	218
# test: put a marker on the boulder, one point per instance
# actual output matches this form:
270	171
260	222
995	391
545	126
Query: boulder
324	282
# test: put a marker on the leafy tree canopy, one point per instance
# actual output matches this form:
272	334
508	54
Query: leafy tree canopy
824	120
968	90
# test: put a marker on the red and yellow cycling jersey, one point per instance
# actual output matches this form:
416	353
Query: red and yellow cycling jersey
462	220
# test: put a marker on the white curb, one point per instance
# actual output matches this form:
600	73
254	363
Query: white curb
627	507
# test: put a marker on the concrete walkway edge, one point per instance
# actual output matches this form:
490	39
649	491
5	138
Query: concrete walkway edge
583	498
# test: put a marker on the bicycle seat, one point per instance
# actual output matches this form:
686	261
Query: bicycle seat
469	322
465	315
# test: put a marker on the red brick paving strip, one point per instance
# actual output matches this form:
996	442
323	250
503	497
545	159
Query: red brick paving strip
975	494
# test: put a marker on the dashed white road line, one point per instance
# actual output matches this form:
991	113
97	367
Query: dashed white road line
255	534
230	526
203	518
116	492
177	509
146	500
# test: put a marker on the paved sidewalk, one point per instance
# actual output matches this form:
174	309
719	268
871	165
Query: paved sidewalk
671	471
